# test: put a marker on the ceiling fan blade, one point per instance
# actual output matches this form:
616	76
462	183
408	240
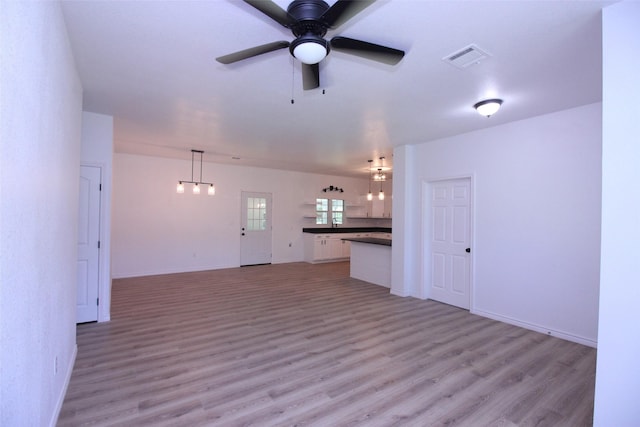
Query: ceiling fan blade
343	10
374	52
251	52
273	11
310	76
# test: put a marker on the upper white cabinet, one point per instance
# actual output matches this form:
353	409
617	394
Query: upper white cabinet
380	208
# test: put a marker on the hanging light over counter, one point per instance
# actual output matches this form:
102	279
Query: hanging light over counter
381	193
381	177
370	194
211	190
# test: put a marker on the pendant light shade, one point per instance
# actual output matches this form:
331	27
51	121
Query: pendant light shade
180	188
370	194
196	189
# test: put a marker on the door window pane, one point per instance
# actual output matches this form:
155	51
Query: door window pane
256	213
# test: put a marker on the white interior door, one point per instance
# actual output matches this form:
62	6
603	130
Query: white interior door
450	242
255	235
88	244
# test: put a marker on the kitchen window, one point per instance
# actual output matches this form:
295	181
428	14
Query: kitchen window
329	208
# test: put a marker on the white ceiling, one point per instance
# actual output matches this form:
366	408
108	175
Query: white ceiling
152	66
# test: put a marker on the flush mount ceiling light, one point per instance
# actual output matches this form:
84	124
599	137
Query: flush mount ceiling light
488	107
309	49
196	184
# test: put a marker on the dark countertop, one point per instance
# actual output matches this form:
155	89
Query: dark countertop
329	230
372	240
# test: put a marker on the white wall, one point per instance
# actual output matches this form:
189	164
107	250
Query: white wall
155	230
536	243
618	370
97	150
40	114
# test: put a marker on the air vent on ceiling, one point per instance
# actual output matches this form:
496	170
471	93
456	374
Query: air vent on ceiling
466	56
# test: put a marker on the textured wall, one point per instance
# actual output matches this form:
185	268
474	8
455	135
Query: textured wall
40	113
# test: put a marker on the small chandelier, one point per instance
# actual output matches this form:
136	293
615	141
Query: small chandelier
196	184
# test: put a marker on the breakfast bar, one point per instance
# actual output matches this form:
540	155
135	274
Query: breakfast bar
371	260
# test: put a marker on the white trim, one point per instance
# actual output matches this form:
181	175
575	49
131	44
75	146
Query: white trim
104	255
537	328
63	392
399	292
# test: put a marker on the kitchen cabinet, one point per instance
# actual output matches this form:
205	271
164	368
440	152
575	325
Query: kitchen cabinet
326	247
380	208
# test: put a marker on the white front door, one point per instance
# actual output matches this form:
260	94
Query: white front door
255	233
450	242
88	244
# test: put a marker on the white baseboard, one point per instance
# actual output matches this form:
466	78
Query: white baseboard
63	393
398	292
537	328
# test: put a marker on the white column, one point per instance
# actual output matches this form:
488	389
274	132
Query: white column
618	370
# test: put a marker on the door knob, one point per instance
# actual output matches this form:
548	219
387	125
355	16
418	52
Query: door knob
468	250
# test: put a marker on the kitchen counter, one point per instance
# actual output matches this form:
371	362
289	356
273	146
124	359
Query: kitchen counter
372	240
331	230
371	260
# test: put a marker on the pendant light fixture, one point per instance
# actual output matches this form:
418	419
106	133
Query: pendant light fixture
370	195
196	184
381	178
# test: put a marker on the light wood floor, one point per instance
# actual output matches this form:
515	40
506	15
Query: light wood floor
300	344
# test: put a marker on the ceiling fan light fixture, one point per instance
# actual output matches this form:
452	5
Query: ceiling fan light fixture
309	49
488	107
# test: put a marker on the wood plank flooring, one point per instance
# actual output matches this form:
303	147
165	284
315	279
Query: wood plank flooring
305	345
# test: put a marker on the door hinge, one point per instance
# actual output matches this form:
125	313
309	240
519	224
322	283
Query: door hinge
99	187
97	301
98	244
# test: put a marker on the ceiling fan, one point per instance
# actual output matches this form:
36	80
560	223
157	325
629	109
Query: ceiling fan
309	21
